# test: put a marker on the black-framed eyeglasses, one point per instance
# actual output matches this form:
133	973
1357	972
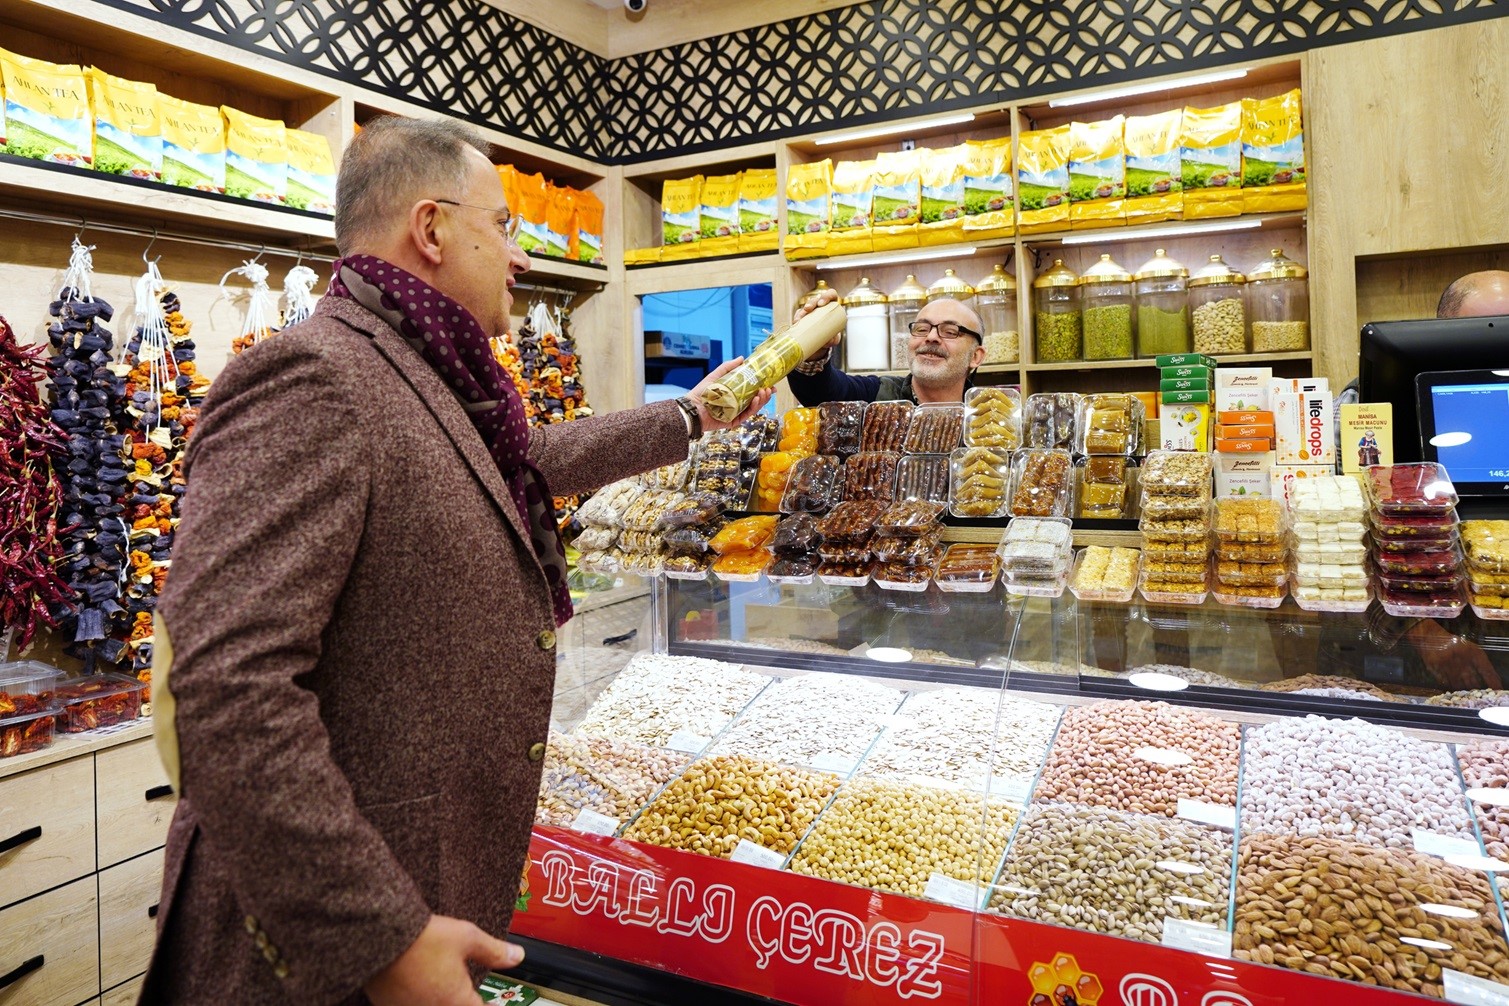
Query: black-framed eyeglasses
946	330
508	226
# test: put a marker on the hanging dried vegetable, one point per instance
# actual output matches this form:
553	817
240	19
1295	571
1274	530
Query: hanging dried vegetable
256	324
30	493
298	294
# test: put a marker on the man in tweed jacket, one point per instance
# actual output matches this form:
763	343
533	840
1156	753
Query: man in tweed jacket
356	691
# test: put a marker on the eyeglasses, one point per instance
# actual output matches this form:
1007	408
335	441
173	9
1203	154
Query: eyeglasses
946	330
508	226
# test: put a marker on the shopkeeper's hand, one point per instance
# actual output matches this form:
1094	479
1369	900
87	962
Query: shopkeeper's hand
823	297
1456	663
708	422
434	969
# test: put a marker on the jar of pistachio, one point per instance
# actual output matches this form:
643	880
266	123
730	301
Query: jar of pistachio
1106	295
1217	310
1057	315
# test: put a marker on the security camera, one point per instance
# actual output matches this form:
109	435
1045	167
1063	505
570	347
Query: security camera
636	6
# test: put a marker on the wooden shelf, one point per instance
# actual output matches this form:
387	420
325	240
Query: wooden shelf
699	274
988	248
545	271
1166	229
1146	362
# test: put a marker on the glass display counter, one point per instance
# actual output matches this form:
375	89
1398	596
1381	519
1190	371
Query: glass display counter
820	794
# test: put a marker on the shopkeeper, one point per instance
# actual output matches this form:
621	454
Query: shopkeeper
365	591
946	347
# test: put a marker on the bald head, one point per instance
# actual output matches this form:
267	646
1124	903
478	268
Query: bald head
1476	295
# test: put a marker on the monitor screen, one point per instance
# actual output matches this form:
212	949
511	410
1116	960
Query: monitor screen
1463	415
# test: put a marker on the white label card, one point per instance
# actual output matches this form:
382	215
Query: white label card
1197	937
590	822
685	740
1433	844
756	855
1015	789
949	891
837	764
1472	990
1208	813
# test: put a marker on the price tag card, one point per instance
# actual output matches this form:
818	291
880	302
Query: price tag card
1015	789
590	822
1197	937
1208	813
1434	844
1472	990
685	740
949	891
835	763
756	855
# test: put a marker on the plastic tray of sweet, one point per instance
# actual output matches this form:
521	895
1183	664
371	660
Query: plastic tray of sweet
1249	519
845	574
595	538
1037	558
697	540
1423	563
1191	550
27	722
686	511
646	511
840	426
1042	483
911	517
935	429
1326	574
603	560
1103	487
1049	419
799	431
1245	551
643	563
1487	588
1339	530
852	522
1176	571
1028	585
1331	599
1164	592
1330	551
870	476
719	446
1251	574
1483	607
796	534
993	418
687	567
922	477
771	479
742	565
902	576
1440	584
1327	498
1175	507
608	505
1251	596
814	485
978	481
1055	531
885	426
1415	525
910	550
1175	529
1420	487
965	567
674	476
1176	473
1445	543
97	700
1102	573
744	534
1486	544
832	551
792	570
1418	604
641	541
1109	424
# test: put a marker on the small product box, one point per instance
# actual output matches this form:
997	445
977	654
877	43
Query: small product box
1248	431
1184	426
1183	384
1242	389
1184	397
1304	429
1246	475
1367	435
1240	445
1281	477
1184	360
1245	418
1292	385
1199	373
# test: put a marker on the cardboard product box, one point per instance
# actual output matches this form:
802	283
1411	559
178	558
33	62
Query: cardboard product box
1281	477
678	345
1183	384
1247	431
1367	435
1184	426
1196	372
1243	445
1184	360
1184	397
1291	385
1245	475
1149	400
1247	418
1242	389
1304	428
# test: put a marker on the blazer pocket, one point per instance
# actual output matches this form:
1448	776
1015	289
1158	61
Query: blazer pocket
411	829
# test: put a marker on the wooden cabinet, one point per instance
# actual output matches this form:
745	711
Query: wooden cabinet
135	802
128	917
46	829
124	994
49	947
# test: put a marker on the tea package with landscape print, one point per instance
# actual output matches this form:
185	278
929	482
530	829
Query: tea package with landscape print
46	111
680	217
989	189
853	200
256	157
942	211
127	126
311	172
758	230
193	145
1097	173
1273	154
1154	182
809	209
897	203
718	215
1210	154
1043	180
589	228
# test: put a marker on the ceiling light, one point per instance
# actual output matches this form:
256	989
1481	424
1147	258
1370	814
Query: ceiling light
897	127
1157	681
890	258
1158	231
1153	88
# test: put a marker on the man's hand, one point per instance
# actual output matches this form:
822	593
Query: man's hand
434	969
824	297
1456	663
708	422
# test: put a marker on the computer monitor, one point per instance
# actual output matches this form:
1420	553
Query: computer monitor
1463	418
1395	352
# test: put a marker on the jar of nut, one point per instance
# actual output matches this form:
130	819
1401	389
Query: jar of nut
1217	309
904	303
1057	317
1162	307
1106	293
995	298
1278	292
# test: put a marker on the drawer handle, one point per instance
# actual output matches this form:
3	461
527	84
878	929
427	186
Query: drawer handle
152	912
25	968
158	792
20	838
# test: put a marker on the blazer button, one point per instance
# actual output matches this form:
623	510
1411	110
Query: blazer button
262	941
271	953
280	970
546	640
536	751
250	922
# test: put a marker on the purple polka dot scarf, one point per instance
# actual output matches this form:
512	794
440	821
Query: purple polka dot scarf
452	342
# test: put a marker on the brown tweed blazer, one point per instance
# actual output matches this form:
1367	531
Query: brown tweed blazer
361	660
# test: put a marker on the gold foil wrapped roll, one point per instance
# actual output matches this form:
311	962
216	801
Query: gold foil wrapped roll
772	360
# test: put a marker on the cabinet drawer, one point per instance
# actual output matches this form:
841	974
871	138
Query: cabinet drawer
124	995
135	803
60	931
128	916
46	828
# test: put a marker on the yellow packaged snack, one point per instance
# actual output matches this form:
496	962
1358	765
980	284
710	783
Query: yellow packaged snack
256	157
589	228
1210	155
1042	173
1097	173
311	172
127	126
642	256
1273	154
718	215
853	199
942	211
560	221
1154	182
758	230
897	205
534	206
193	144
680	204
989	189
809	209
46	111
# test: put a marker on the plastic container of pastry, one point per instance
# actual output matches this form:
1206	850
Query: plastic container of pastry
840	427
1156	592
845	575
1055	531
1265	596
1441	584
743	565
1177	529
792	571
1175	551
1343	530
1308	574
993	418
687	567
1176	473
744	534
1341	552
979	482
1444	543
885	426
1176	571
1421	487
1084	592
869	475
1331	599
1252	521
1423	563
907	550
1415	604
1175	507
922	477
898	576
1251	574
1050	419
1264	552
911	518
1488	588
852	522
1109	424
1416	525
1042	483
1486	543
1104	486
1488	614
935	429
814	485
799	431
1022	585
968	568
1327	498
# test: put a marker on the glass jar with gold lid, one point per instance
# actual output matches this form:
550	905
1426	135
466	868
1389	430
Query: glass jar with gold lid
1162	306
995	300
1217	309
806	300
867	339
1057	318
950	286
1278	296
1106	295
903	303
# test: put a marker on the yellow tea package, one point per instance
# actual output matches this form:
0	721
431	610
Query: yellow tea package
46	111
1097	173
680	203
1273	154
1042	173
311	172
127	126
898	199
193	145
758	230
853	199
809	209
942	208
1210	154
533	206
560	222
989	189
1154	181
589	228
256	157
719	215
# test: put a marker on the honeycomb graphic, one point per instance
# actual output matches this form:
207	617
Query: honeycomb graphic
1062	983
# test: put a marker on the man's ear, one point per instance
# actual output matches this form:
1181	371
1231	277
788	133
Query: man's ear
426	230
977	357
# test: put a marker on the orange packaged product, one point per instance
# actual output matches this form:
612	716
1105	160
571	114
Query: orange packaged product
1244	418
770	483
799	431
1240	446
744	562
1244	431
744	534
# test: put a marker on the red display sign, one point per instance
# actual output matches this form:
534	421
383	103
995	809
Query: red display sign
818	943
